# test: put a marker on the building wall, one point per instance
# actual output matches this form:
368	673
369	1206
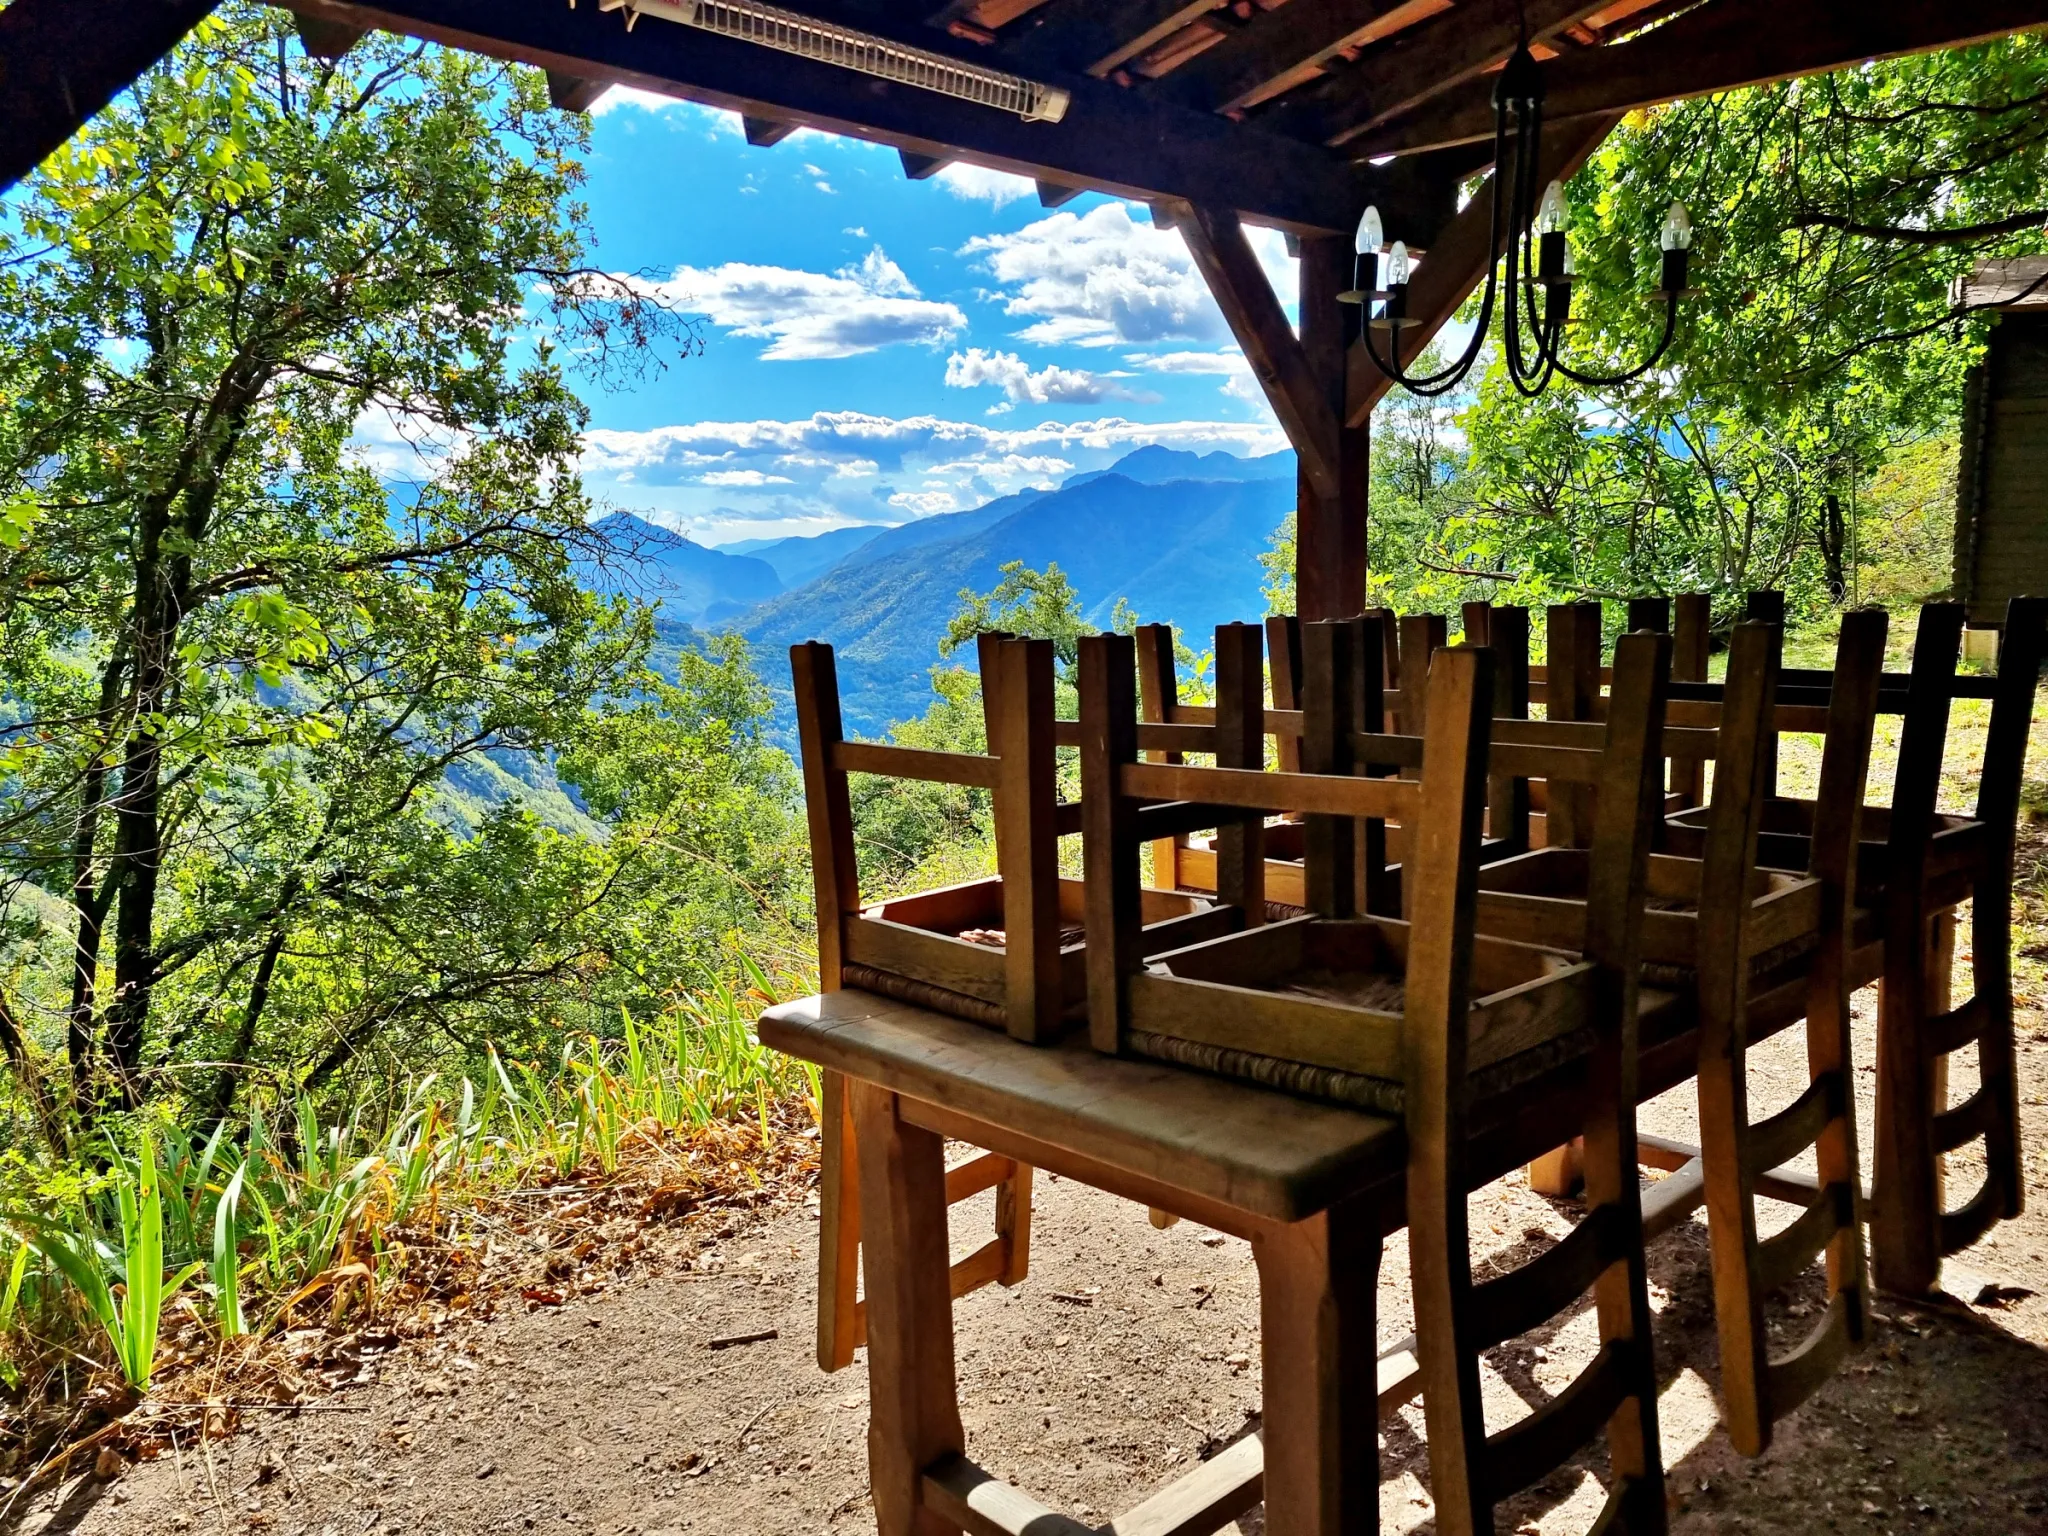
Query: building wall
2002	487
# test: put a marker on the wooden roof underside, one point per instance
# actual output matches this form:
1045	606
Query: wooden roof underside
1273	109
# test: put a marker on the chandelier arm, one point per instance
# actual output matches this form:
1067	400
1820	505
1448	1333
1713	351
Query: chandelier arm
1610	381
1447	379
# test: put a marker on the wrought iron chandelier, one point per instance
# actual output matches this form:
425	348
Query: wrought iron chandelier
1539	268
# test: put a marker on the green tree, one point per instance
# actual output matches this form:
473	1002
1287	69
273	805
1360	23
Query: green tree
246	673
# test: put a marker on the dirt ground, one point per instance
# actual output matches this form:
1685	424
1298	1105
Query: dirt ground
1128	1355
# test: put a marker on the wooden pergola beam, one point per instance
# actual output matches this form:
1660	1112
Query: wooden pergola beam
1457	264
63	60
1717	48
1110	139
1223	256
1420	62
1281	48
1092	37
571	93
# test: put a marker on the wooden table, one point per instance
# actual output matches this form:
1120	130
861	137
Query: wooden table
1312	1187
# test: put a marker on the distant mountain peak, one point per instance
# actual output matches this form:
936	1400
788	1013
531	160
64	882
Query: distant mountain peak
1157	464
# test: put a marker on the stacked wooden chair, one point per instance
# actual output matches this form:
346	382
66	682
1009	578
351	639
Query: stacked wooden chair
1020	968
1916	865
1424	1018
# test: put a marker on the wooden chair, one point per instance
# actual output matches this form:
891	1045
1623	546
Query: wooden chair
1022	971
1379	1012
1916	865
1740	949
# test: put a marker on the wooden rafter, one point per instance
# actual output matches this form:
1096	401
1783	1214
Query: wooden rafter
62	60
1093	37
1417	63
1718	47
572	93
1281	48
1228	265
1457	264
1111	138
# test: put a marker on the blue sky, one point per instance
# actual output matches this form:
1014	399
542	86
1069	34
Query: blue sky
879	349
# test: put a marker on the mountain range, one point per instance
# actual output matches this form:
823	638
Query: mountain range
1175	535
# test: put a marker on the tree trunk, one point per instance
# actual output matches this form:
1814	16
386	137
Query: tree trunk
1831	534
230	1076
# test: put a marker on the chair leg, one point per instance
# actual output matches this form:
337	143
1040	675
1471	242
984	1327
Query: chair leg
1318	1284
838	1226
1905	1217
914	1413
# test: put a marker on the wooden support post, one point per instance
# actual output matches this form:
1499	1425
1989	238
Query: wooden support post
838	1225
913	1410
1331	650
834	875
1331	528
1318	1283
1109	740
1377	885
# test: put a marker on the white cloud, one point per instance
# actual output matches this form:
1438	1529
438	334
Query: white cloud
806	315
1104	279
747	477
1011	374
1227	363
716	122
979	184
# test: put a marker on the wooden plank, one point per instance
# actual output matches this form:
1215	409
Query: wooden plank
1206	1499
63	60
1272	53
958	1491
1713	49
839	1322
1388	799
1215	238
1330	651
1268	1024
1110	139
1093	37
975	970
1052	194
1419	62
1262	1153
915	763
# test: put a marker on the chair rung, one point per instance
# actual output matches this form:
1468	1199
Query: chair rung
1791	1381
973	1176
1550	1436
1210	1498
1669	1201
957	1490
1960	1228
1540	1289
1796	1127
1970	1119
1955	1029
1781	1258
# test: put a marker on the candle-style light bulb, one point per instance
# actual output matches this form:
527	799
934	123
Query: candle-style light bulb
1553	215
1677	232
1397	264
1370	235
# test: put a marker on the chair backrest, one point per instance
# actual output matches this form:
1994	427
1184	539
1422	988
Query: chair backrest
1126	802
1019	987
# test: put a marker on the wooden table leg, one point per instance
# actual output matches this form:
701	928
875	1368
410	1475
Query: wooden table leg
914	1414
1318	1283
